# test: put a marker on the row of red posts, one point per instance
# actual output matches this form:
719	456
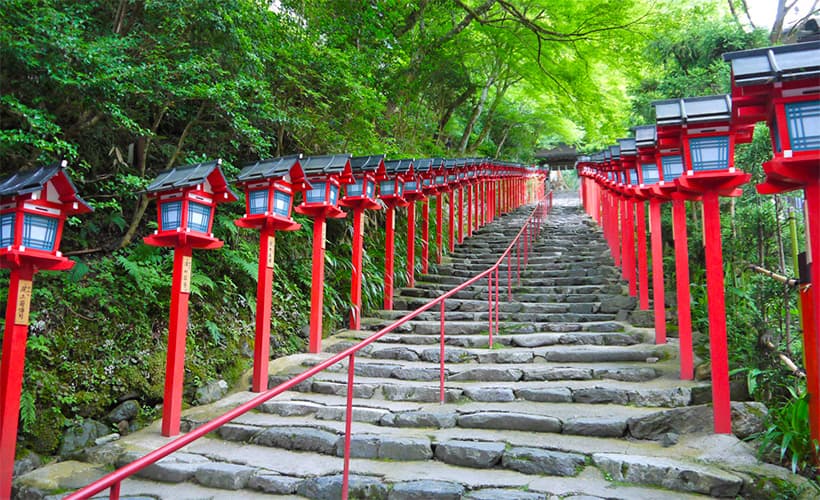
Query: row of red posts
688	155
35	204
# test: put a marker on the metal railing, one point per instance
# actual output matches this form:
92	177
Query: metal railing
522	242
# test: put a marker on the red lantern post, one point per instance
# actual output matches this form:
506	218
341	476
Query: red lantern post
779	85
186	201
391	192
269	187
360	195
33	208
452	184
701	127
326	174
427	171
629	157
413	192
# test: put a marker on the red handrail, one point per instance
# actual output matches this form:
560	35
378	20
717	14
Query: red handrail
114	479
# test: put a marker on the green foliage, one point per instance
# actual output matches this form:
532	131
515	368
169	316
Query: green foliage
787	436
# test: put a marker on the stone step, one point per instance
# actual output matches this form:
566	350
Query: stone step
503	316
524	281
505	328
223	469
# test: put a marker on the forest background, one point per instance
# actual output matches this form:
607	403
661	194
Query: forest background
125	89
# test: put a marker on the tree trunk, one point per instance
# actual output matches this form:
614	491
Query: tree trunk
479	107
502	141
448	113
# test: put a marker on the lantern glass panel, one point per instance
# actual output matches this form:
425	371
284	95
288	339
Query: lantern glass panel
281	203
387	188
356	188
39	232
199	217
399	188
258	201
650	174
334	194
672	167
439	179
425	183
7	230
709	153
371	189
171	212
803	119
317	193
410	186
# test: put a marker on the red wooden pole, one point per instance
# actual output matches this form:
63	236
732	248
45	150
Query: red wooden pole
643	259
469	189
411	244
461	215
13	361
616	229
811	310
356	274
629	246
657	271
177	327
317	284
351	373
682	281
425	235
439	223
717	314
389	240
264	285
452	226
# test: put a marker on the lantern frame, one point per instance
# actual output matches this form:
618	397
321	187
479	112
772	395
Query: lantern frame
193	192
364	184
326	175
273	179
37	203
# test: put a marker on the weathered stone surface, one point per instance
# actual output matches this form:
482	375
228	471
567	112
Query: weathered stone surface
748	417
626	374
340	389
330	488
405	449
175	468
274	483
679	396
417	373
474	454
614	303
421	418
360	414
538	461
402	353
595	426
503	494
303	386
450	355
550	395
238	432
678	420
488	375
536	340
127	410
559	373
490	394
422	394
27	463
505	356
82	436
600	395
290	408
669	473
298	438
212	391
511	421
379	370
361	446
223	476
426	490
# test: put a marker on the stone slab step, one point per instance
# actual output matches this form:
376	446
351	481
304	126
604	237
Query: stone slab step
508	327
512	317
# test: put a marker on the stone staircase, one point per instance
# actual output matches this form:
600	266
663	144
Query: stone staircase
572	402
